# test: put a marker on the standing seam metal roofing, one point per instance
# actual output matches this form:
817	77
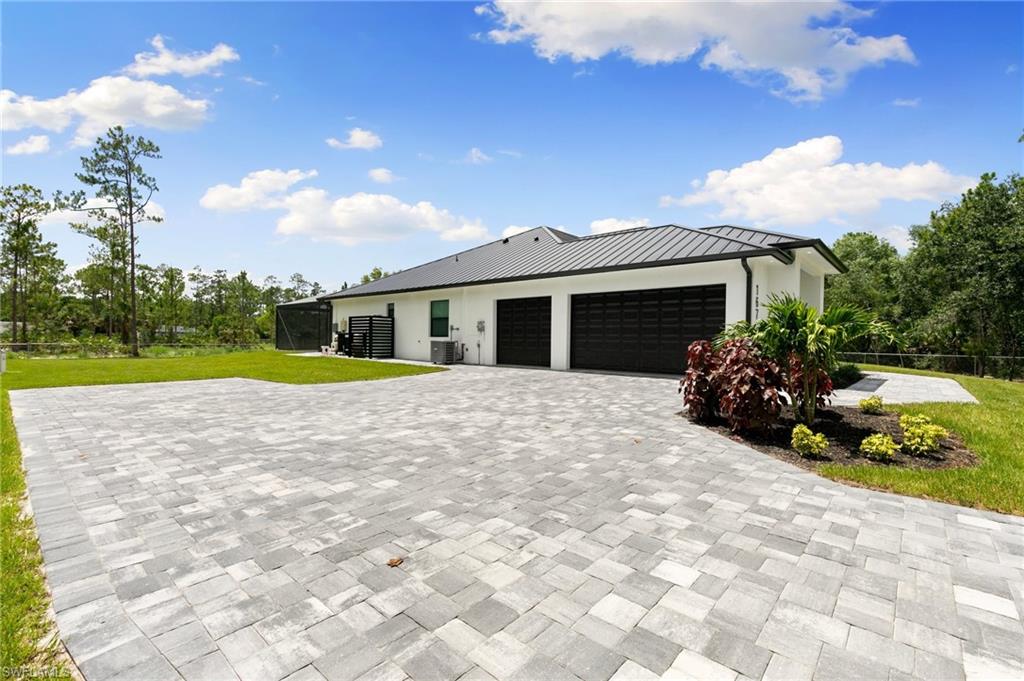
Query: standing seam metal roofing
545	252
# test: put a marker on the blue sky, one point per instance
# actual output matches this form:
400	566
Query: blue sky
580	119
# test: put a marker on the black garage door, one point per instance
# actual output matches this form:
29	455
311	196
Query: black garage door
643	331
524	331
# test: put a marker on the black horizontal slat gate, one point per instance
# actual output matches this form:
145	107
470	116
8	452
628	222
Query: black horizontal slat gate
643	331
373	336
524	331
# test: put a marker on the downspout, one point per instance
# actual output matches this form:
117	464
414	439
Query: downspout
750	285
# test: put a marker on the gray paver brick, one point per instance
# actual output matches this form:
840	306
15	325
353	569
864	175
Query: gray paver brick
437	663
569	523
737	653
127	655
649	650
211	666
488	616
589	660
350	661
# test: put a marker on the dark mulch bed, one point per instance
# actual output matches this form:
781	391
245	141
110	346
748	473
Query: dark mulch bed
845	428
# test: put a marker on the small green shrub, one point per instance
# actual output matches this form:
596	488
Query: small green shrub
808	443
913	421
920	435
879	447
845	374
871	405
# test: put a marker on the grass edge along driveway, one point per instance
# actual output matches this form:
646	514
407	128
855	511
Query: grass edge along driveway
993	428
26	640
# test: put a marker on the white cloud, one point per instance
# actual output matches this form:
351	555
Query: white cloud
33	144
476	157
805	183
911	103
253	81
514	153
258	189
107	101
164	61
370	217
898	236
349	220
617	224
803	50
512	230
358	138
382	175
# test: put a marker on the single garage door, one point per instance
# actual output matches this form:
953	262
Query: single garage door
643	331
524	331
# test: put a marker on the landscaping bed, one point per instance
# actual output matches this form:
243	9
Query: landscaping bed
846	428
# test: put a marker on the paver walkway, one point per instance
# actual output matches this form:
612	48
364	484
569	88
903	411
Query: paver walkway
902	388
553	526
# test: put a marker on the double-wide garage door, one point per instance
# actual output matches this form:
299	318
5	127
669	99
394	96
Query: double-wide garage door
643	331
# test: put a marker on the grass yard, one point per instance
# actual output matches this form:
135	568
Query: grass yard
267	365
994	429
25	640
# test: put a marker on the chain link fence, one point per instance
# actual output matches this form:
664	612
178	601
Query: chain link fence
998	366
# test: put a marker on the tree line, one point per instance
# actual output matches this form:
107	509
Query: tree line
960	287
115	298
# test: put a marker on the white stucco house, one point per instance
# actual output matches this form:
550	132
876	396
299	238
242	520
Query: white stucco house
630	301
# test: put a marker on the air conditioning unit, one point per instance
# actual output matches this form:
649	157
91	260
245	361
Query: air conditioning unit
442	352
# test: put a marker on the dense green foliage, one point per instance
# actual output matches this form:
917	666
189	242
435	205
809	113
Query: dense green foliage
846	374
873	277
959	288
30	271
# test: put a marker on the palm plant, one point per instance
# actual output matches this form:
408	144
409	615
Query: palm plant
807	343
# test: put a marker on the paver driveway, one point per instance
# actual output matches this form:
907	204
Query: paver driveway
553	525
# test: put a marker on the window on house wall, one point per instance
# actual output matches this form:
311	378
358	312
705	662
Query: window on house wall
439	318
391	310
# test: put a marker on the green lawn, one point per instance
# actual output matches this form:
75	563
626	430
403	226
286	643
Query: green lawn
267	365
994	429
24	627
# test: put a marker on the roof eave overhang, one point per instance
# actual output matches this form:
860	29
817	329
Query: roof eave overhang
779	254
823	250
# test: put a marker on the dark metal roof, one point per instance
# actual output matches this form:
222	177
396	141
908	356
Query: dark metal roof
754	236
544	252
